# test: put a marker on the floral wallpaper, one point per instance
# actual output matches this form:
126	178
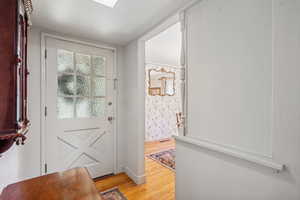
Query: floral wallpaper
161	111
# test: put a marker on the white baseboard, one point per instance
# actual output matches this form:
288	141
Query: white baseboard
120	169
137	179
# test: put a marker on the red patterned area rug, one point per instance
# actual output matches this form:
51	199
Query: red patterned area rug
165	158
113	194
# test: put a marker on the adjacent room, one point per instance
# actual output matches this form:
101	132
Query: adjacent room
163	96
149	100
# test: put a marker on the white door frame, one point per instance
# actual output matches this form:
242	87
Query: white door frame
175	18
44	36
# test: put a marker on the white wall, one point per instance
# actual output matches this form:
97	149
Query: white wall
9	167
230	73
165	48
24	162
203	174
134	158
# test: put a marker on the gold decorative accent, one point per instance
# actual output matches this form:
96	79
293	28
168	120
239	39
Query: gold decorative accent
28	7
161	82
179	120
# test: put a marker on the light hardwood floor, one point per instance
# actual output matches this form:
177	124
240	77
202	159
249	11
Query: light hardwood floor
160	181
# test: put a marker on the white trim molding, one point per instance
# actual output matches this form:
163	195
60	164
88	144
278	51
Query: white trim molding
44	36
165	24
138	179
263	161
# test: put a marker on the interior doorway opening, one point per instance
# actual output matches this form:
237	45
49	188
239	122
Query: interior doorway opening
163	101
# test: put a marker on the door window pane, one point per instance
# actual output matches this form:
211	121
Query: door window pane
98	107
83	63
83	108
65	107
66	84
65	61
83	85
99	65
99	86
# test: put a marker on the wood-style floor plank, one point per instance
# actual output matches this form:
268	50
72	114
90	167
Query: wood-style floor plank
160	181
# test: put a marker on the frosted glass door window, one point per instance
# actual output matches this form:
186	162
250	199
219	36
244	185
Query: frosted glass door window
66	84
65	61
99	65
83	107
81	87
99	107
83	63
99	86
65	107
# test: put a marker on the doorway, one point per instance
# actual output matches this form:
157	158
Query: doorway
79	107
163	96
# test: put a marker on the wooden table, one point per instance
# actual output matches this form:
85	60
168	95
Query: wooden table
74	184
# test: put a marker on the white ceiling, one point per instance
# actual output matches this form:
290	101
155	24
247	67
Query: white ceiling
125	22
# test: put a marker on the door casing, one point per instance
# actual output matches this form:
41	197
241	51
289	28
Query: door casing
173	19
43	118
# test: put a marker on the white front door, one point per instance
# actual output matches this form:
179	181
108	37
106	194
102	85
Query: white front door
79	101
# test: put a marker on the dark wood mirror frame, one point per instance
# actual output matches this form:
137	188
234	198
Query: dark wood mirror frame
14	23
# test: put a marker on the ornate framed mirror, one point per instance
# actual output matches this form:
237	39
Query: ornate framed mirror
161	82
